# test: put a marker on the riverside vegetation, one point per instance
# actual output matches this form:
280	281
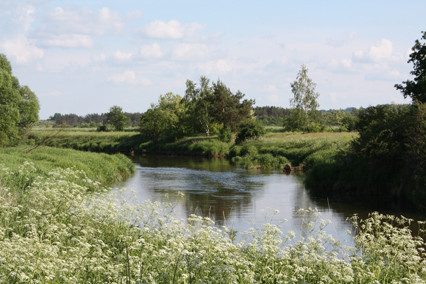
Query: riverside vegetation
52	230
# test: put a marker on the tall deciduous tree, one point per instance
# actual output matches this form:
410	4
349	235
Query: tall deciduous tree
117	118
18	105
416	89
163	120
305	98
198	106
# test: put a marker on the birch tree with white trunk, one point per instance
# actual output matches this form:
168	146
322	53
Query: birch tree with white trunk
305	98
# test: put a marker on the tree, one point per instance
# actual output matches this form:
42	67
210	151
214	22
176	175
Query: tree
117	118
416	89
198	106
226	108
28	109
18	105
305	98
163	120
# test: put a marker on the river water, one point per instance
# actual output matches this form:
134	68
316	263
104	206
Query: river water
237	198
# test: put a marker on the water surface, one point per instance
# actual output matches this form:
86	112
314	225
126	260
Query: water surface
235	197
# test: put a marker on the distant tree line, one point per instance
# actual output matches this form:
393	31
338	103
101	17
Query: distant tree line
271	115
91	120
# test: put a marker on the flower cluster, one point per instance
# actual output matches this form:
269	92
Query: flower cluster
58	232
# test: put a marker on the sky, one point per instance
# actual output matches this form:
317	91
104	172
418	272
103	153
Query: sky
86	56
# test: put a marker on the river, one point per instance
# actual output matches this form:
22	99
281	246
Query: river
238	198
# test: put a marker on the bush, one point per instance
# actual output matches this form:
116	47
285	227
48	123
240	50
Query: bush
248	150
225	135
102	128
250	129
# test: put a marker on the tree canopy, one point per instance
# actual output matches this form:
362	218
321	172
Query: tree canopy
305	98
416	89
19	106
117	118
164	119
227	108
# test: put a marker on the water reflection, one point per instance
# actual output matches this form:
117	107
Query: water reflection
231	196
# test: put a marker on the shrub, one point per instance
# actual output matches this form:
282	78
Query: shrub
225	135
248	150
250	129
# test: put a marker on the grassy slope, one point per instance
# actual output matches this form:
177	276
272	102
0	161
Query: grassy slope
102	168
296	148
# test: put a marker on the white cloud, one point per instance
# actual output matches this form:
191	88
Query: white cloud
151	51
66	40
72	27
128	77
122	56
134	14
99	57
23	50
26	17
220	66
170	30
382	51
187	51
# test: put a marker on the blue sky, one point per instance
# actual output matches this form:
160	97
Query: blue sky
86	56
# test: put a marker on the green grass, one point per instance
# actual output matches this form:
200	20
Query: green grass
115	142
295	148
99	167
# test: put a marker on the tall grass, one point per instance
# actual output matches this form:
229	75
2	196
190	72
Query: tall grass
59	233
103	168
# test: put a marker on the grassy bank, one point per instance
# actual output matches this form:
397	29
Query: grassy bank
115	142
57	233
277	149
278	144
101	168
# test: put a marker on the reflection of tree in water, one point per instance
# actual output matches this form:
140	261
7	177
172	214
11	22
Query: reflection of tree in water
190	162
218	205
212	187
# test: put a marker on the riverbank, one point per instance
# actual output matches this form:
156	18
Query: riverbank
58	233
102	169
275	143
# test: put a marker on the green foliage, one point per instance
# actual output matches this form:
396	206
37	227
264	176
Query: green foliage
117	118
305	99
271	115
293	122
339	119
199	109
226	108
416	89
18	105
349	122
102	128
225	135
164	120
248	149
250	129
